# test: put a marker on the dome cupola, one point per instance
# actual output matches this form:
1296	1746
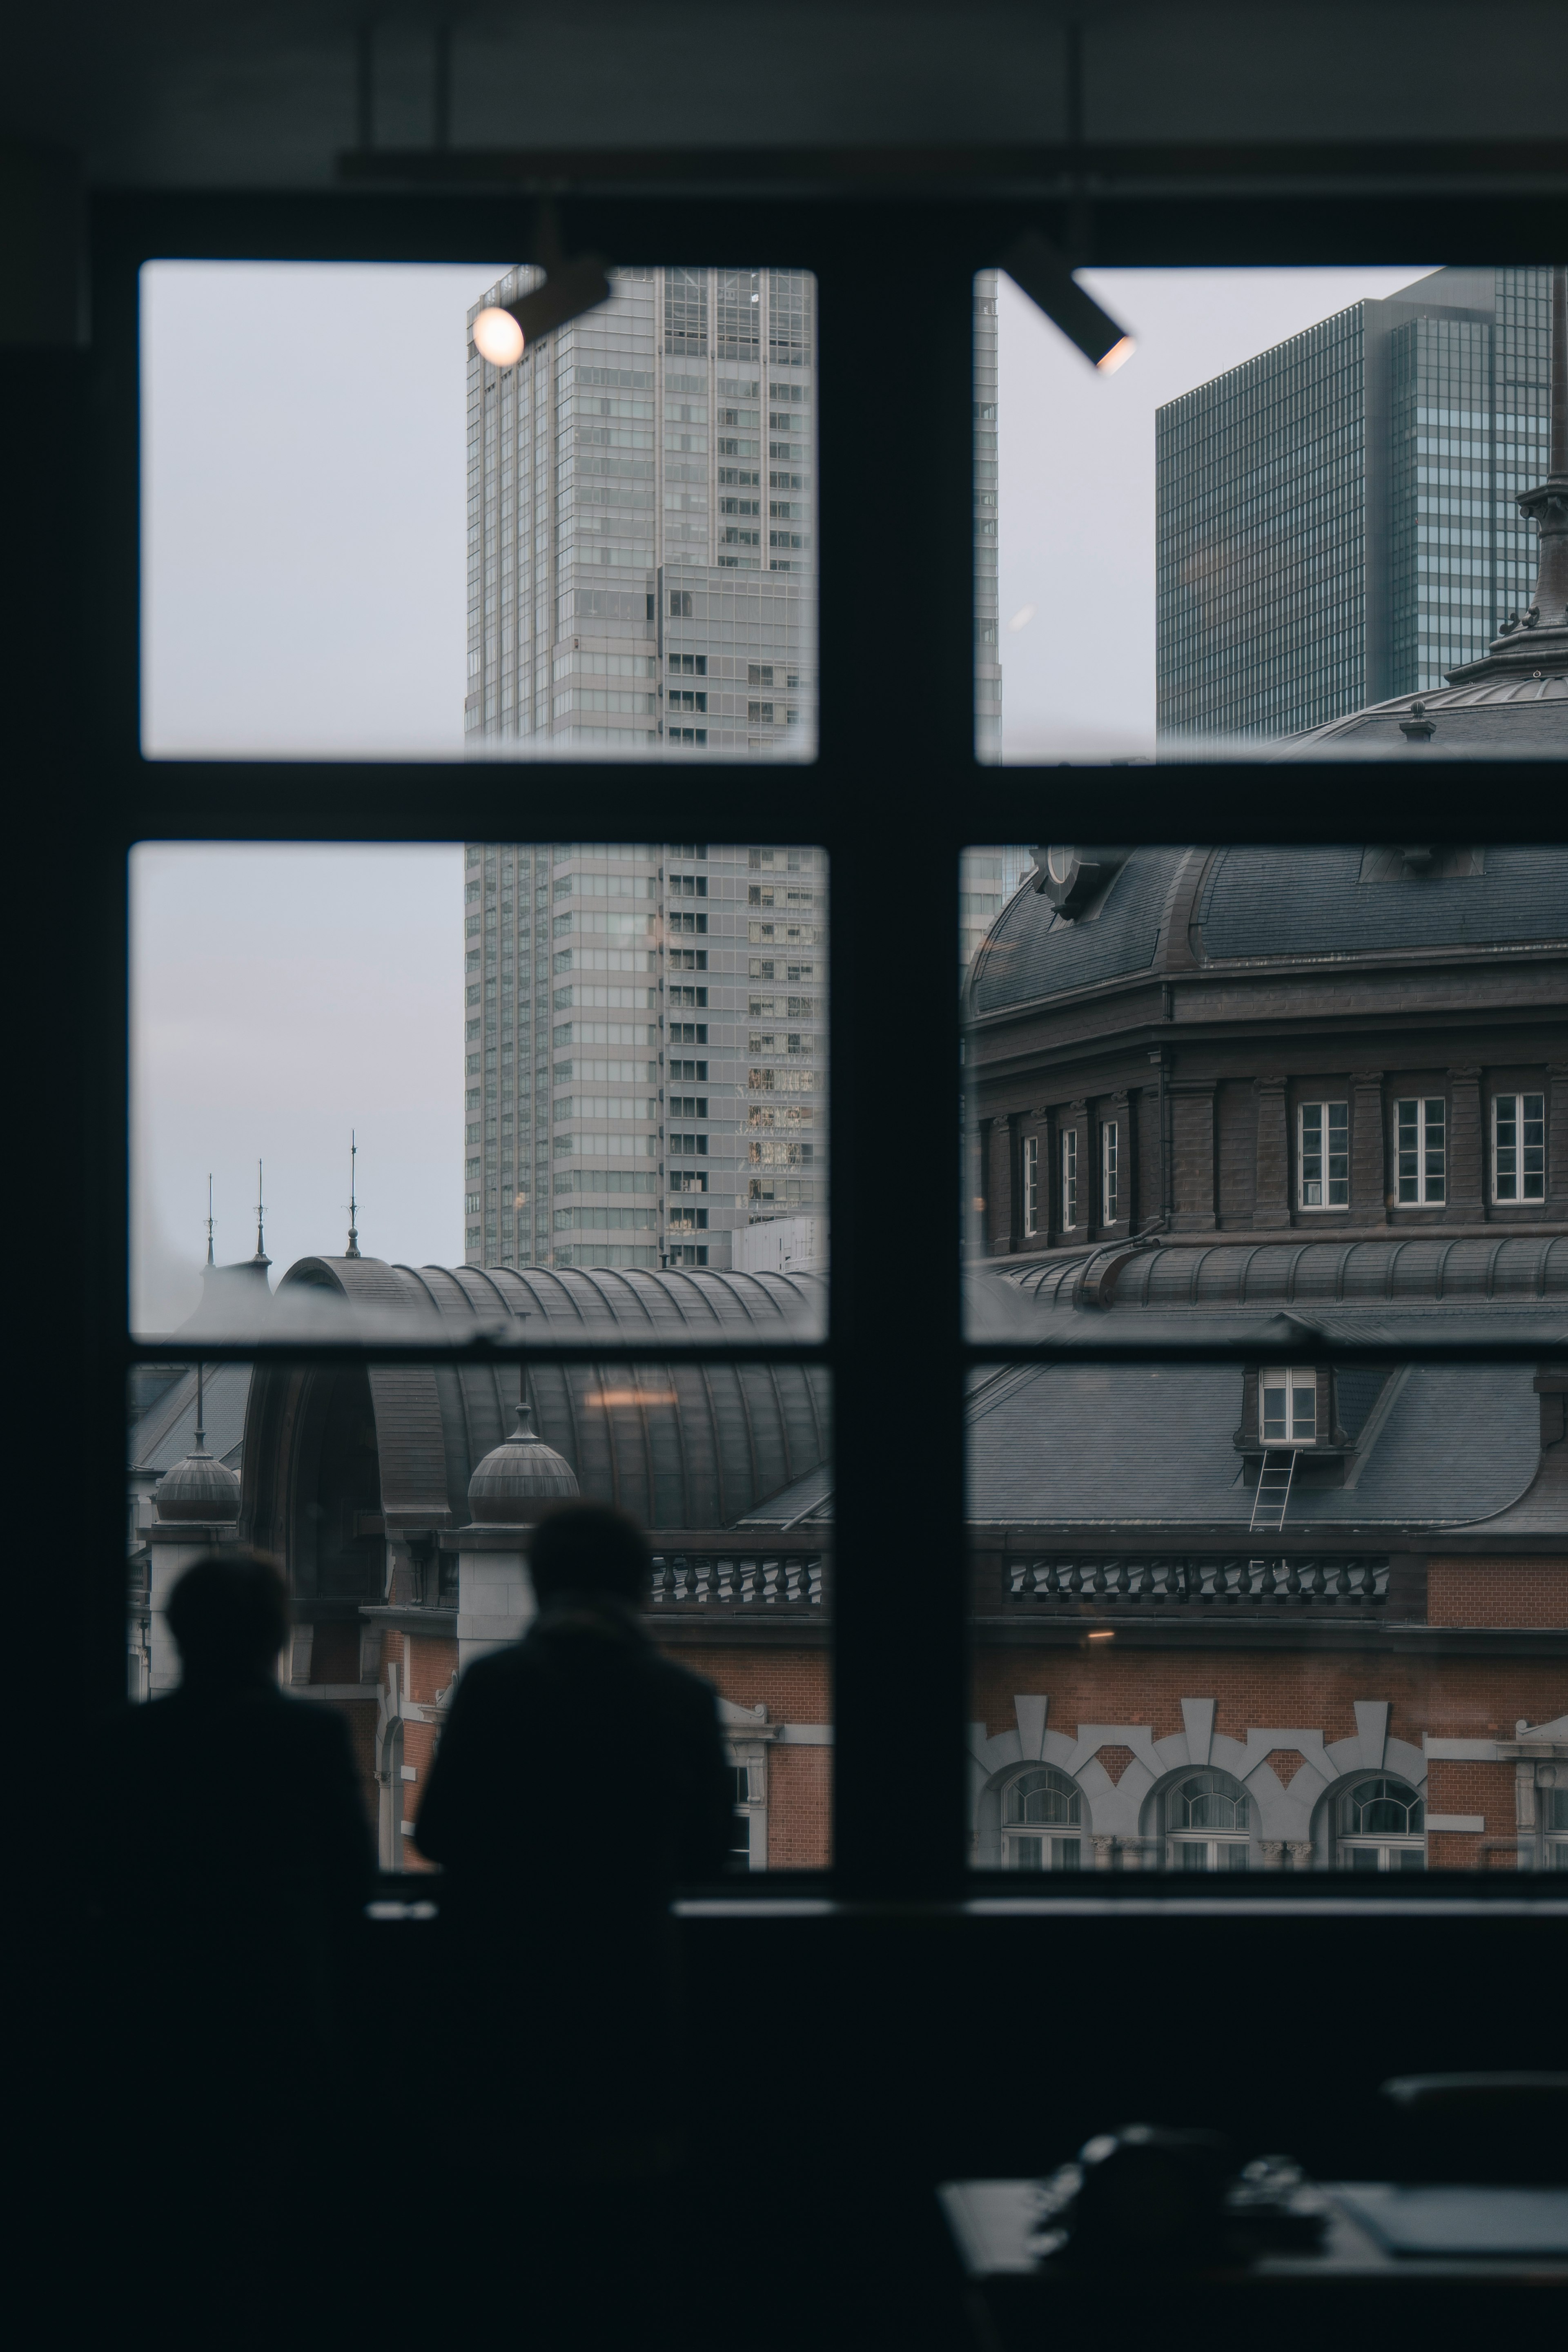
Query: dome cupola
519	1478
200	1488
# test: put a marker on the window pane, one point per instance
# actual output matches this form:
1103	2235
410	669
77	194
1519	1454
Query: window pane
1316	1577
608	1059
1309	498
400	1503
606	549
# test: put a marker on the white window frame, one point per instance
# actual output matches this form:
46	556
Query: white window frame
1220	1849
1324	1152
754	1809
1421	1125
1031	1180
1297	1380
1386	1849
1519	1119
1069	1180
1039	1846
1110	1171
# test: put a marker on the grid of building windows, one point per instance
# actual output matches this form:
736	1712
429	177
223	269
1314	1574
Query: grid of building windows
646	1048
619	474
1335	517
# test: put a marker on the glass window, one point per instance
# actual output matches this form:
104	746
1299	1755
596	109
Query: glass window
1315	493
1420	1149
1069	1180
1037	1808
1518	1147
1031	1184
1288	1406
1207	1822
558	552
1109	1193
1323	1149
1381	1826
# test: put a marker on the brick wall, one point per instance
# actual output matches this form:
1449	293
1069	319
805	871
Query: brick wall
1497	1592
1480	1789
1455	1698
795	1687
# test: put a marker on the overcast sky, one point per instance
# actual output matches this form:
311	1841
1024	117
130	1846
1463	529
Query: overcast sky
304	592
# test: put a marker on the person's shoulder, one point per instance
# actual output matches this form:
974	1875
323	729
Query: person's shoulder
681	1686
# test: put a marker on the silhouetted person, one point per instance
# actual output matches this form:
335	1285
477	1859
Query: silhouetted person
234	1862
579	1781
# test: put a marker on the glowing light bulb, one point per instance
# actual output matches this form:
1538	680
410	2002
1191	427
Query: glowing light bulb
1117	356
497	338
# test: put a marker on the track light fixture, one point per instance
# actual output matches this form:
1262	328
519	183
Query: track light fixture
1045	276
502	333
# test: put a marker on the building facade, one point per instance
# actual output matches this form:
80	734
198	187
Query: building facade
645	1049
1336	518
1289	1609
641	489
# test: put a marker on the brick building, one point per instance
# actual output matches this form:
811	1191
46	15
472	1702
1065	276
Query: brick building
1293	1607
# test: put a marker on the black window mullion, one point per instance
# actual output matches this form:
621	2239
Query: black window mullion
896	725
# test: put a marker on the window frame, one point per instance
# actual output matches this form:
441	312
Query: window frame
1519	1097
1325	1105
1299	1381
1049	1836
1030	1185
948	797
1422	1105
1110	1172
1069	1180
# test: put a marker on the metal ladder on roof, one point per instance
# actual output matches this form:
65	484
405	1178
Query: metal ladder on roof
1273	1488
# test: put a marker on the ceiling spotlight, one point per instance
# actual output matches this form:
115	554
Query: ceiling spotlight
1044	274
570	289
497	338
1022	617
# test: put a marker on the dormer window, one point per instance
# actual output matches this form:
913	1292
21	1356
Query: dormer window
1288	1406
1519	1147
1323	1155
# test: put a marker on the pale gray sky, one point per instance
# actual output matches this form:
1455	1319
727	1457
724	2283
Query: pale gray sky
304	565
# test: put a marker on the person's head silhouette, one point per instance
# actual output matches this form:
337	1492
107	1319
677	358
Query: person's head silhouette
229	1615
587	1550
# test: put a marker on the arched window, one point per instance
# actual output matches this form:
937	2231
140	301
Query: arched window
1383	1826
1037	1808
1207	1817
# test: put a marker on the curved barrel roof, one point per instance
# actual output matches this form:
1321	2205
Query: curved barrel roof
680	1446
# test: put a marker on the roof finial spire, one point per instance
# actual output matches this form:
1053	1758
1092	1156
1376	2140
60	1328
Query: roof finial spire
209	1220
1547	503
261	1258
353	1249
201	1444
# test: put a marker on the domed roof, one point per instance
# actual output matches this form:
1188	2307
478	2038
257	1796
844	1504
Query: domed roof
1523	710
1173	911
198	1488
519	1478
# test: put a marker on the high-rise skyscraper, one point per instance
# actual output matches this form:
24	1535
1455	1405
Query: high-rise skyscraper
1336	518
645	1024
641	570
646	1048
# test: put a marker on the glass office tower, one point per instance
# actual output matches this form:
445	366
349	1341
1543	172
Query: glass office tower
1335	520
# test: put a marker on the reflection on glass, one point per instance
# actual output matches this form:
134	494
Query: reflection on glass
588	1055
400	1503
1282	1611
1320	514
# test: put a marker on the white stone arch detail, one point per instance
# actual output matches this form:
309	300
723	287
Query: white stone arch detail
993	1760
